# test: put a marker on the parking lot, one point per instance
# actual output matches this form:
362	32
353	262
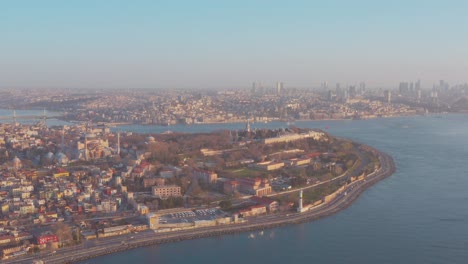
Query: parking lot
190	216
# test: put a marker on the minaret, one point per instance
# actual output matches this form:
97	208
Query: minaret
86	147
63	140
44	116
247	127
14	117
118	143
299	207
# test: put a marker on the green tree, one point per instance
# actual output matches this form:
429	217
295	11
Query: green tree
63	231
225	205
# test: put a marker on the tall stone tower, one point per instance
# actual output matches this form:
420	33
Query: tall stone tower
299	207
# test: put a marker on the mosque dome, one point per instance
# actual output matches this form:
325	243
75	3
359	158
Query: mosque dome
49	156
61	158
16	162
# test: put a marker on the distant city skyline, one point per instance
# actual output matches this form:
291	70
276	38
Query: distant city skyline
212	44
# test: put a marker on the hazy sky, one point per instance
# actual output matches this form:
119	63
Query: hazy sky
185	44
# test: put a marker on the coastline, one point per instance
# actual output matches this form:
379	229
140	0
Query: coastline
339	203
117	124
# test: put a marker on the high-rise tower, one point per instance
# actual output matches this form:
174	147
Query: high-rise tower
279	88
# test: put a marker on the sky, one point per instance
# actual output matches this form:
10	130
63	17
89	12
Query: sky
229	44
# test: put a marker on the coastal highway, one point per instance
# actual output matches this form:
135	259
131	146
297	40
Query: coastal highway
349	173
110	245
342	176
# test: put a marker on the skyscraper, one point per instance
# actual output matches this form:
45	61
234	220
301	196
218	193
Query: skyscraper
388	96
279	88
352	91
362	88
254	87
324	85
417	86
330	95
403	88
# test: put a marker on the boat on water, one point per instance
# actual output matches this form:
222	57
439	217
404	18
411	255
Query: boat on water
261	233
272	234
252	235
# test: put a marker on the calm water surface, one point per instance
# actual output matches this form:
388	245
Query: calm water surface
418	215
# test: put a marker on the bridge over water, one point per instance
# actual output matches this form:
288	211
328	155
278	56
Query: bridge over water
30	117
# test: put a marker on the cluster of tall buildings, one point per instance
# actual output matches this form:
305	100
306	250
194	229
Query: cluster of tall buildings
259	88
410	89
344	93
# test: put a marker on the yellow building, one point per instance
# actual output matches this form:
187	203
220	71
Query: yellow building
61	174
153	220
269	166
5	208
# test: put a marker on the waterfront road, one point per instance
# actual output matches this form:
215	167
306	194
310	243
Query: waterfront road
356	170
110	245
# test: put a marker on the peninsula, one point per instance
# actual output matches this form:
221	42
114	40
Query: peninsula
84	191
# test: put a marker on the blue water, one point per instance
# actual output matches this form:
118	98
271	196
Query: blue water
418	215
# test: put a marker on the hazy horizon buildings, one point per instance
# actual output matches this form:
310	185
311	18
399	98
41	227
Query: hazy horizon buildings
279	88
417	86
388	96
